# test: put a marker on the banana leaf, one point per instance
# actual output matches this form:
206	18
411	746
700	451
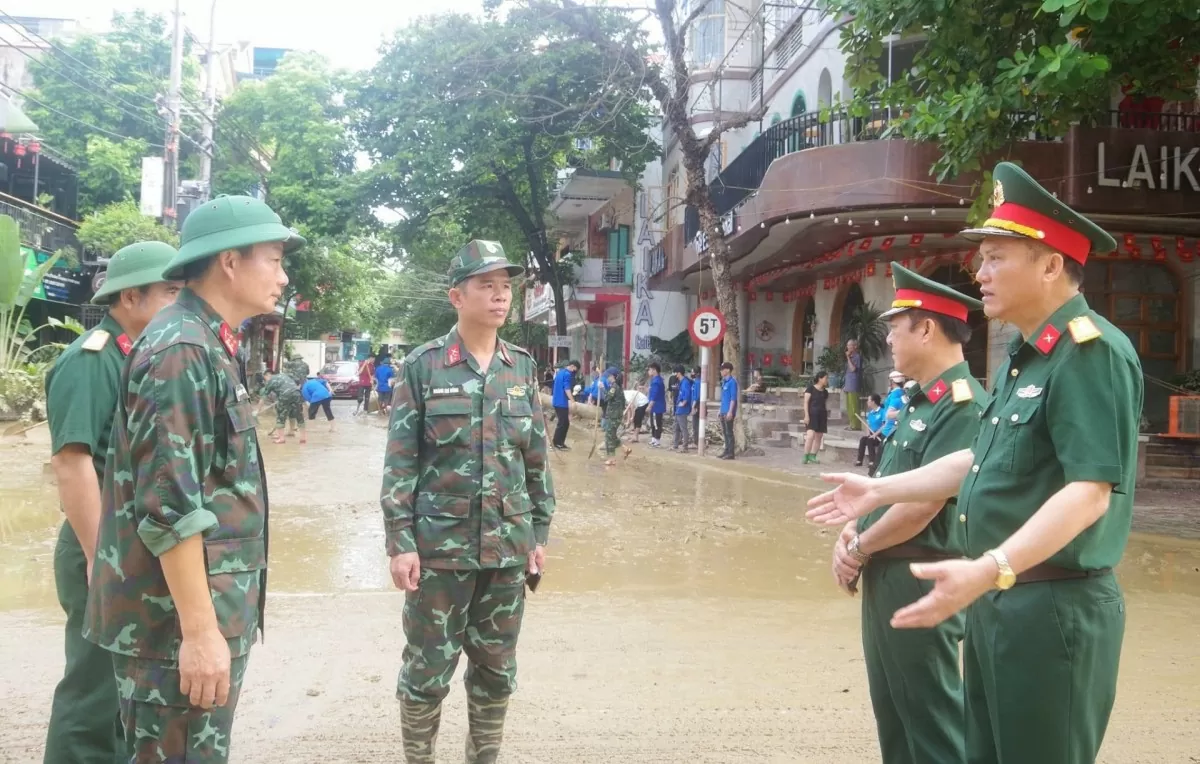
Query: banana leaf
12	262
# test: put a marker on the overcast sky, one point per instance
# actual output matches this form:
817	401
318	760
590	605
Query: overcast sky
348	32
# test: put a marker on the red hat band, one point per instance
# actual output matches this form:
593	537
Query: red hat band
1035	225
934	303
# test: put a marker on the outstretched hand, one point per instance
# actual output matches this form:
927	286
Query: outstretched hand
854	497
956	584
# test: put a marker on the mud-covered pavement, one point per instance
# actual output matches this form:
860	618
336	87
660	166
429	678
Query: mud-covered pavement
687	615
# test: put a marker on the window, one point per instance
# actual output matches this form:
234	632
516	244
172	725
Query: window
708	35
618	242
798	105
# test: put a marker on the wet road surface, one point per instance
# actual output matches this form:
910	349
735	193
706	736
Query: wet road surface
687	615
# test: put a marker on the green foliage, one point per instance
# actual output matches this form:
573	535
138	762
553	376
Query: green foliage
118	225
832	359
1189	381
989	74
865	325
677	350
110	80
469	120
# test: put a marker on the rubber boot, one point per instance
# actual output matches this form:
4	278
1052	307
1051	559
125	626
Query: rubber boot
485	729
419	727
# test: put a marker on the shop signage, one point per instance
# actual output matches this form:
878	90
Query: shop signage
1170	168
700	241
59	284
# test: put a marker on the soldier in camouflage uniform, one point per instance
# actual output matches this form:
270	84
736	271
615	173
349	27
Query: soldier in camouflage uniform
81	395
467	501
289	404
297	368
180	573
614	410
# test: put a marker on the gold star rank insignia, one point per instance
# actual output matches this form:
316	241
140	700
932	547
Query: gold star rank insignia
961	391
1082	329
96	342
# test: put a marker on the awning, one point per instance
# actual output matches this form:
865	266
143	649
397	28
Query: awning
13	120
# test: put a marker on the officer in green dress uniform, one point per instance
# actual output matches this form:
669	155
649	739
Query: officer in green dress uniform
1046	490
81	396
467	501
916	688
179	583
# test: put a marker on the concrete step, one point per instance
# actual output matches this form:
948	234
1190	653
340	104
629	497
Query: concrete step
1172	460
1172	473
1167	484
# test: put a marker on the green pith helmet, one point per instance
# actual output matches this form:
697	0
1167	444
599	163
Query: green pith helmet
229	222
914	291
137	265
1021	208
480	257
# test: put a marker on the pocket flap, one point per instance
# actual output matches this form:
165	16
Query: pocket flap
442	505
236	555
1022	415
517	503
516	407
241	416
448	406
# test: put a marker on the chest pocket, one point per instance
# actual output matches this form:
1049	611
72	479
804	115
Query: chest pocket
1023	444
241	452
448	422
518	421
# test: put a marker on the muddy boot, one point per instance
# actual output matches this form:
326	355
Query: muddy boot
419	727
485	723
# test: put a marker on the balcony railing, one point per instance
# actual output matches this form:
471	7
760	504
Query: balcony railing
38	230
614	271
745	173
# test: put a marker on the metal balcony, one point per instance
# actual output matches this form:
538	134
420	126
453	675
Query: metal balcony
42	229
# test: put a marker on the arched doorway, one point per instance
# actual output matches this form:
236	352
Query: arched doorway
1146	301
975	351
852	301
799	106
824	90
804	328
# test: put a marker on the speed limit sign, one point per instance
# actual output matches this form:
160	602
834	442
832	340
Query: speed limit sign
707	327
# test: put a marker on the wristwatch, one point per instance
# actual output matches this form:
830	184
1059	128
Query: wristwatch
1005	578
852	548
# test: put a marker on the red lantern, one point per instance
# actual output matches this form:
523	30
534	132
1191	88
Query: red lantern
865	245
786	360
770	296
34	147
1156	244
870	269
916	239
753	296
767	358
888	272
887	243
20	152
750	358
1181	250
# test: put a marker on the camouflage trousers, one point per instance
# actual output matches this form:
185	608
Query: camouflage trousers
474	611
612	441
161	725
289	408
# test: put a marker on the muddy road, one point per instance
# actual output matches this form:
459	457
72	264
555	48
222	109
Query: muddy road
687	615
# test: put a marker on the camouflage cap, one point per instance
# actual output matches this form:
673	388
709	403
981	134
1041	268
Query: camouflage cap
480	257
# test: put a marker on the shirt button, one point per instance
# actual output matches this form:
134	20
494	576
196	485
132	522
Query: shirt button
906	444
962	518
1015	417
911	409
975	468
995	420
1014	372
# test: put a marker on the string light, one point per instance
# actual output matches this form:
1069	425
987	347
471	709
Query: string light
762	225
787	221
933	212
835	221
812	215
849	222
1089	189
906	218
876	222
961	202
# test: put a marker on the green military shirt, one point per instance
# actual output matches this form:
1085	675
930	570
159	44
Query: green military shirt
934	423
184	461
282	387
466	477
81	390
1064	408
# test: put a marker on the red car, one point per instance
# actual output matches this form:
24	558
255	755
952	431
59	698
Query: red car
343	378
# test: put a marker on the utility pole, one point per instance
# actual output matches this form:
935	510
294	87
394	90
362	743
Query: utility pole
210	106
171	163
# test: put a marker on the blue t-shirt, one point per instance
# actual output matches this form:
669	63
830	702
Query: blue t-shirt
683	399
895	400
657	395
876	418
315	391
383	378
562	388
696	394
729	394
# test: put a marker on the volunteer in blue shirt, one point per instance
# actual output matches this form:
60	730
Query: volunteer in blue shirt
729	405
696	406
683	410
877	422
318	394
383	386
894	403
658	403
561	400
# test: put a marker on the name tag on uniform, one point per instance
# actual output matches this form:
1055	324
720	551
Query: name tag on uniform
240	392
442	392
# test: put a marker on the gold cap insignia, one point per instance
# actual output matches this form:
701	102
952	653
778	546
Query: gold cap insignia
997	193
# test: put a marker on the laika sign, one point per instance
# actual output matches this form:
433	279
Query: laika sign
1169	168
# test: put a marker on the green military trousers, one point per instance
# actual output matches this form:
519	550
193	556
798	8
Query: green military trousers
1041	665
161	725
85	724
476	611
915	684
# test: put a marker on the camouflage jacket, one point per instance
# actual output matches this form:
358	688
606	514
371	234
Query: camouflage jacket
282	388
184	461
297	369
466	479
614	401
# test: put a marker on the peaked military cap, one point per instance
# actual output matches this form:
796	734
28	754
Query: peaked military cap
915	291
480	257
1022	208
229	222
137	265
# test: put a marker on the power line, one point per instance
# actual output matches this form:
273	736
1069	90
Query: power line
76	119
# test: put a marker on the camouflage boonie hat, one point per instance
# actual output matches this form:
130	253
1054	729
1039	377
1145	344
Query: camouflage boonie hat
136	265
480	257
229	222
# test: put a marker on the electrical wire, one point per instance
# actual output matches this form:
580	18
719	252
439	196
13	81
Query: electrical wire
64	115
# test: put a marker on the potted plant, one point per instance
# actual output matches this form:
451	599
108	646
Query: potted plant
832	361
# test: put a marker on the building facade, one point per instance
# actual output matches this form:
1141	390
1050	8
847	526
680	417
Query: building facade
818	205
